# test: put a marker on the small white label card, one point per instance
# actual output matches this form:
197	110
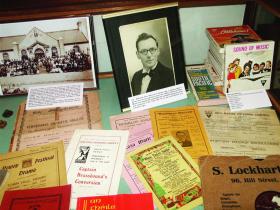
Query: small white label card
251	99
1	93
51	96
157	97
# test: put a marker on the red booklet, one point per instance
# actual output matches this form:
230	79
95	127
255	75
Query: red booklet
51	198
232	34
117	202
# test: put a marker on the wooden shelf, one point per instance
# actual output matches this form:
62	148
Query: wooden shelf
18	10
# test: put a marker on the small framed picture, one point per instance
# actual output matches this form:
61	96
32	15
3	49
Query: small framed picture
146	50
46	51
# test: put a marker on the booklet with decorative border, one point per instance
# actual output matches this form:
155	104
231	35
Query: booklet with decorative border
169	173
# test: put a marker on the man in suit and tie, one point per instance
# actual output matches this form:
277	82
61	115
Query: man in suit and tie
154	75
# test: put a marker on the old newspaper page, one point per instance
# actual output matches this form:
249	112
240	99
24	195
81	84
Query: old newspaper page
185	125
38	127
254	133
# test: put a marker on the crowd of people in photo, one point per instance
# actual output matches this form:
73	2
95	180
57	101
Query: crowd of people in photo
72	61
235	71
14	91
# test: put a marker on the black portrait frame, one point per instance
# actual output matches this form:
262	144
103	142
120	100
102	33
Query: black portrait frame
112	22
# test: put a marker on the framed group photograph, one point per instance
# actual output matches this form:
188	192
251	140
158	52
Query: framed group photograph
34	53
146	50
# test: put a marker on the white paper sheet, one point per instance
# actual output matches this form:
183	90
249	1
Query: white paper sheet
245	100
157	97
51	96
94	161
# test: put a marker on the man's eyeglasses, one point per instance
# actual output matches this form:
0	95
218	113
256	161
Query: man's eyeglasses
145	51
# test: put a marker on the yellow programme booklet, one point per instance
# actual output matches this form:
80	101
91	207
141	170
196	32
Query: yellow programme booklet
185	125
169	173
35	167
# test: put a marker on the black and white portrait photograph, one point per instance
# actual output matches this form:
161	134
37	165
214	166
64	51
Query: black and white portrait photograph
45	51
183	137
145	48
148	56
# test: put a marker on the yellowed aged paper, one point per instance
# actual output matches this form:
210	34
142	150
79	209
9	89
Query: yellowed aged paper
169	173
38	127
36	167
240	182
185	125
254	133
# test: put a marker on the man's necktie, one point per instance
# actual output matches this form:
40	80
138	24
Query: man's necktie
145	81
150	74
